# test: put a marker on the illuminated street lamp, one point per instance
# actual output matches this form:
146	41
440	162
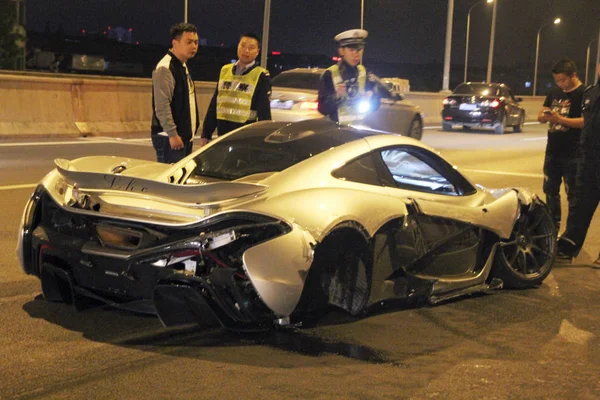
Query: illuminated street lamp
587	61
468	28
537	52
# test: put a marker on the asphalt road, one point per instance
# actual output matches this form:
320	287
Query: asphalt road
536	344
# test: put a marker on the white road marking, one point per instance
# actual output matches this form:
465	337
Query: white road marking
482	171
13	187
136	142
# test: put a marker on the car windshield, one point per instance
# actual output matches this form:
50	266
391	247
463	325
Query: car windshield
297	80
254	150
478	89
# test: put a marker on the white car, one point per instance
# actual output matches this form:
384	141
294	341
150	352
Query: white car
295	98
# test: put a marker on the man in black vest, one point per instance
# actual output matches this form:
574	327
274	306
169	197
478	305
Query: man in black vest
175	112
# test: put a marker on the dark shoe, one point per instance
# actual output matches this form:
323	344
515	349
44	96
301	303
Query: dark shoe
565	247
563	258
596	264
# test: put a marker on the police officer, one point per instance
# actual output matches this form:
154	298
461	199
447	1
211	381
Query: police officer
242	93
588	177
346	92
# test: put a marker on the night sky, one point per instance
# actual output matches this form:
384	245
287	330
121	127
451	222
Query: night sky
411	31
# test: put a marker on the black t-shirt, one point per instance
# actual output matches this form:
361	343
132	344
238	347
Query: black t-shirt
562	139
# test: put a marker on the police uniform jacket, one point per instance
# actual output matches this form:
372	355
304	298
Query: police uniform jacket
328	101
260	103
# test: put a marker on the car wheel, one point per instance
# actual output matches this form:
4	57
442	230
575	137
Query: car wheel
519	127
339	276
526	258
446	127
502	126
466	128
416	129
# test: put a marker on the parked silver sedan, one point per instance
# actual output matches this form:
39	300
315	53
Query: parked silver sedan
295	98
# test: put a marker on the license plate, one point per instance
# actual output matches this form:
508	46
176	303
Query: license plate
282	105
467	106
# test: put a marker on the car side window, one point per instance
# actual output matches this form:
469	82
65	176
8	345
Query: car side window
411	172
360	170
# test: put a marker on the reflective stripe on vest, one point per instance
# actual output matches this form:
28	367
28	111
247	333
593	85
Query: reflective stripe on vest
348	107
234	98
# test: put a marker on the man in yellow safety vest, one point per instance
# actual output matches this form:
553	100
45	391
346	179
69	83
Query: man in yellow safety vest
242	93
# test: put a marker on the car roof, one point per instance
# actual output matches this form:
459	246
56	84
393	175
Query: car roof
318	71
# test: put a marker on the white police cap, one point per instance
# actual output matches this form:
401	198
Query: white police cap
352	38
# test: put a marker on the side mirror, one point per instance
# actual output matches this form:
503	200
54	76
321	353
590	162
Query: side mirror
518	99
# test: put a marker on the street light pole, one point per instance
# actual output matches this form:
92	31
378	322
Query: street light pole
265	34
587	61
446	77
491	53
468	30
362	13
598	56
185	11
537	53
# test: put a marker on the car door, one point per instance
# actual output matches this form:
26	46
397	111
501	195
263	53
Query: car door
440	242
512	107
394	115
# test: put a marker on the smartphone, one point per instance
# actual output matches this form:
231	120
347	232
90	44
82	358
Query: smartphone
547	112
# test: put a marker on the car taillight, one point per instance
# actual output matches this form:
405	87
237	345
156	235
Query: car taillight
309	105
490	104
447	101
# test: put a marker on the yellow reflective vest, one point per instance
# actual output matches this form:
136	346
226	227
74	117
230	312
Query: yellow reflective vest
348	111
234	98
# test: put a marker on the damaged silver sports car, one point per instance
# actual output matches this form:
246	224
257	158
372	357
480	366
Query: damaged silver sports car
275	221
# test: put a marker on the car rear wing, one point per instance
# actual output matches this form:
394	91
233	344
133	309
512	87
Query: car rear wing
185	195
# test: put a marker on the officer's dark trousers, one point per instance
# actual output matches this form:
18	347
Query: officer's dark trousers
587	197
165	154
556	168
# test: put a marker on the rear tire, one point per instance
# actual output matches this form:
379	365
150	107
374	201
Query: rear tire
525	259
416	129
340	276
519	127
446	127
501	127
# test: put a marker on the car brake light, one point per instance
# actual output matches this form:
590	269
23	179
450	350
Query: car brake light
448	101
494	104
448	118
309	105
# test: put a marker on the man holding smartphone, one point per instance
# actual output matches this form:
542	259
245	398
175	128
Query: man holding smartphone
562	110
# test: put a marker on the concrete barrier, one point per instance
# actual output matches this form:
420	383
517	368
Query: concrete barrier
38	104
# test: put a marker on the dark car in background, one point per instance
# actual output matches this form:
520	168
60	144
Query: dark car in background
483	105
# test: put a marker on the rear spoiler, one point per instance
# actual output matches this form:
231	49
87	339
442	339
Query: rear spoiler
205	195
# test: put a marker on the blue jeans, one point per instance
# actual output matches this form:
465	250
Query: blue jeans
165	154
